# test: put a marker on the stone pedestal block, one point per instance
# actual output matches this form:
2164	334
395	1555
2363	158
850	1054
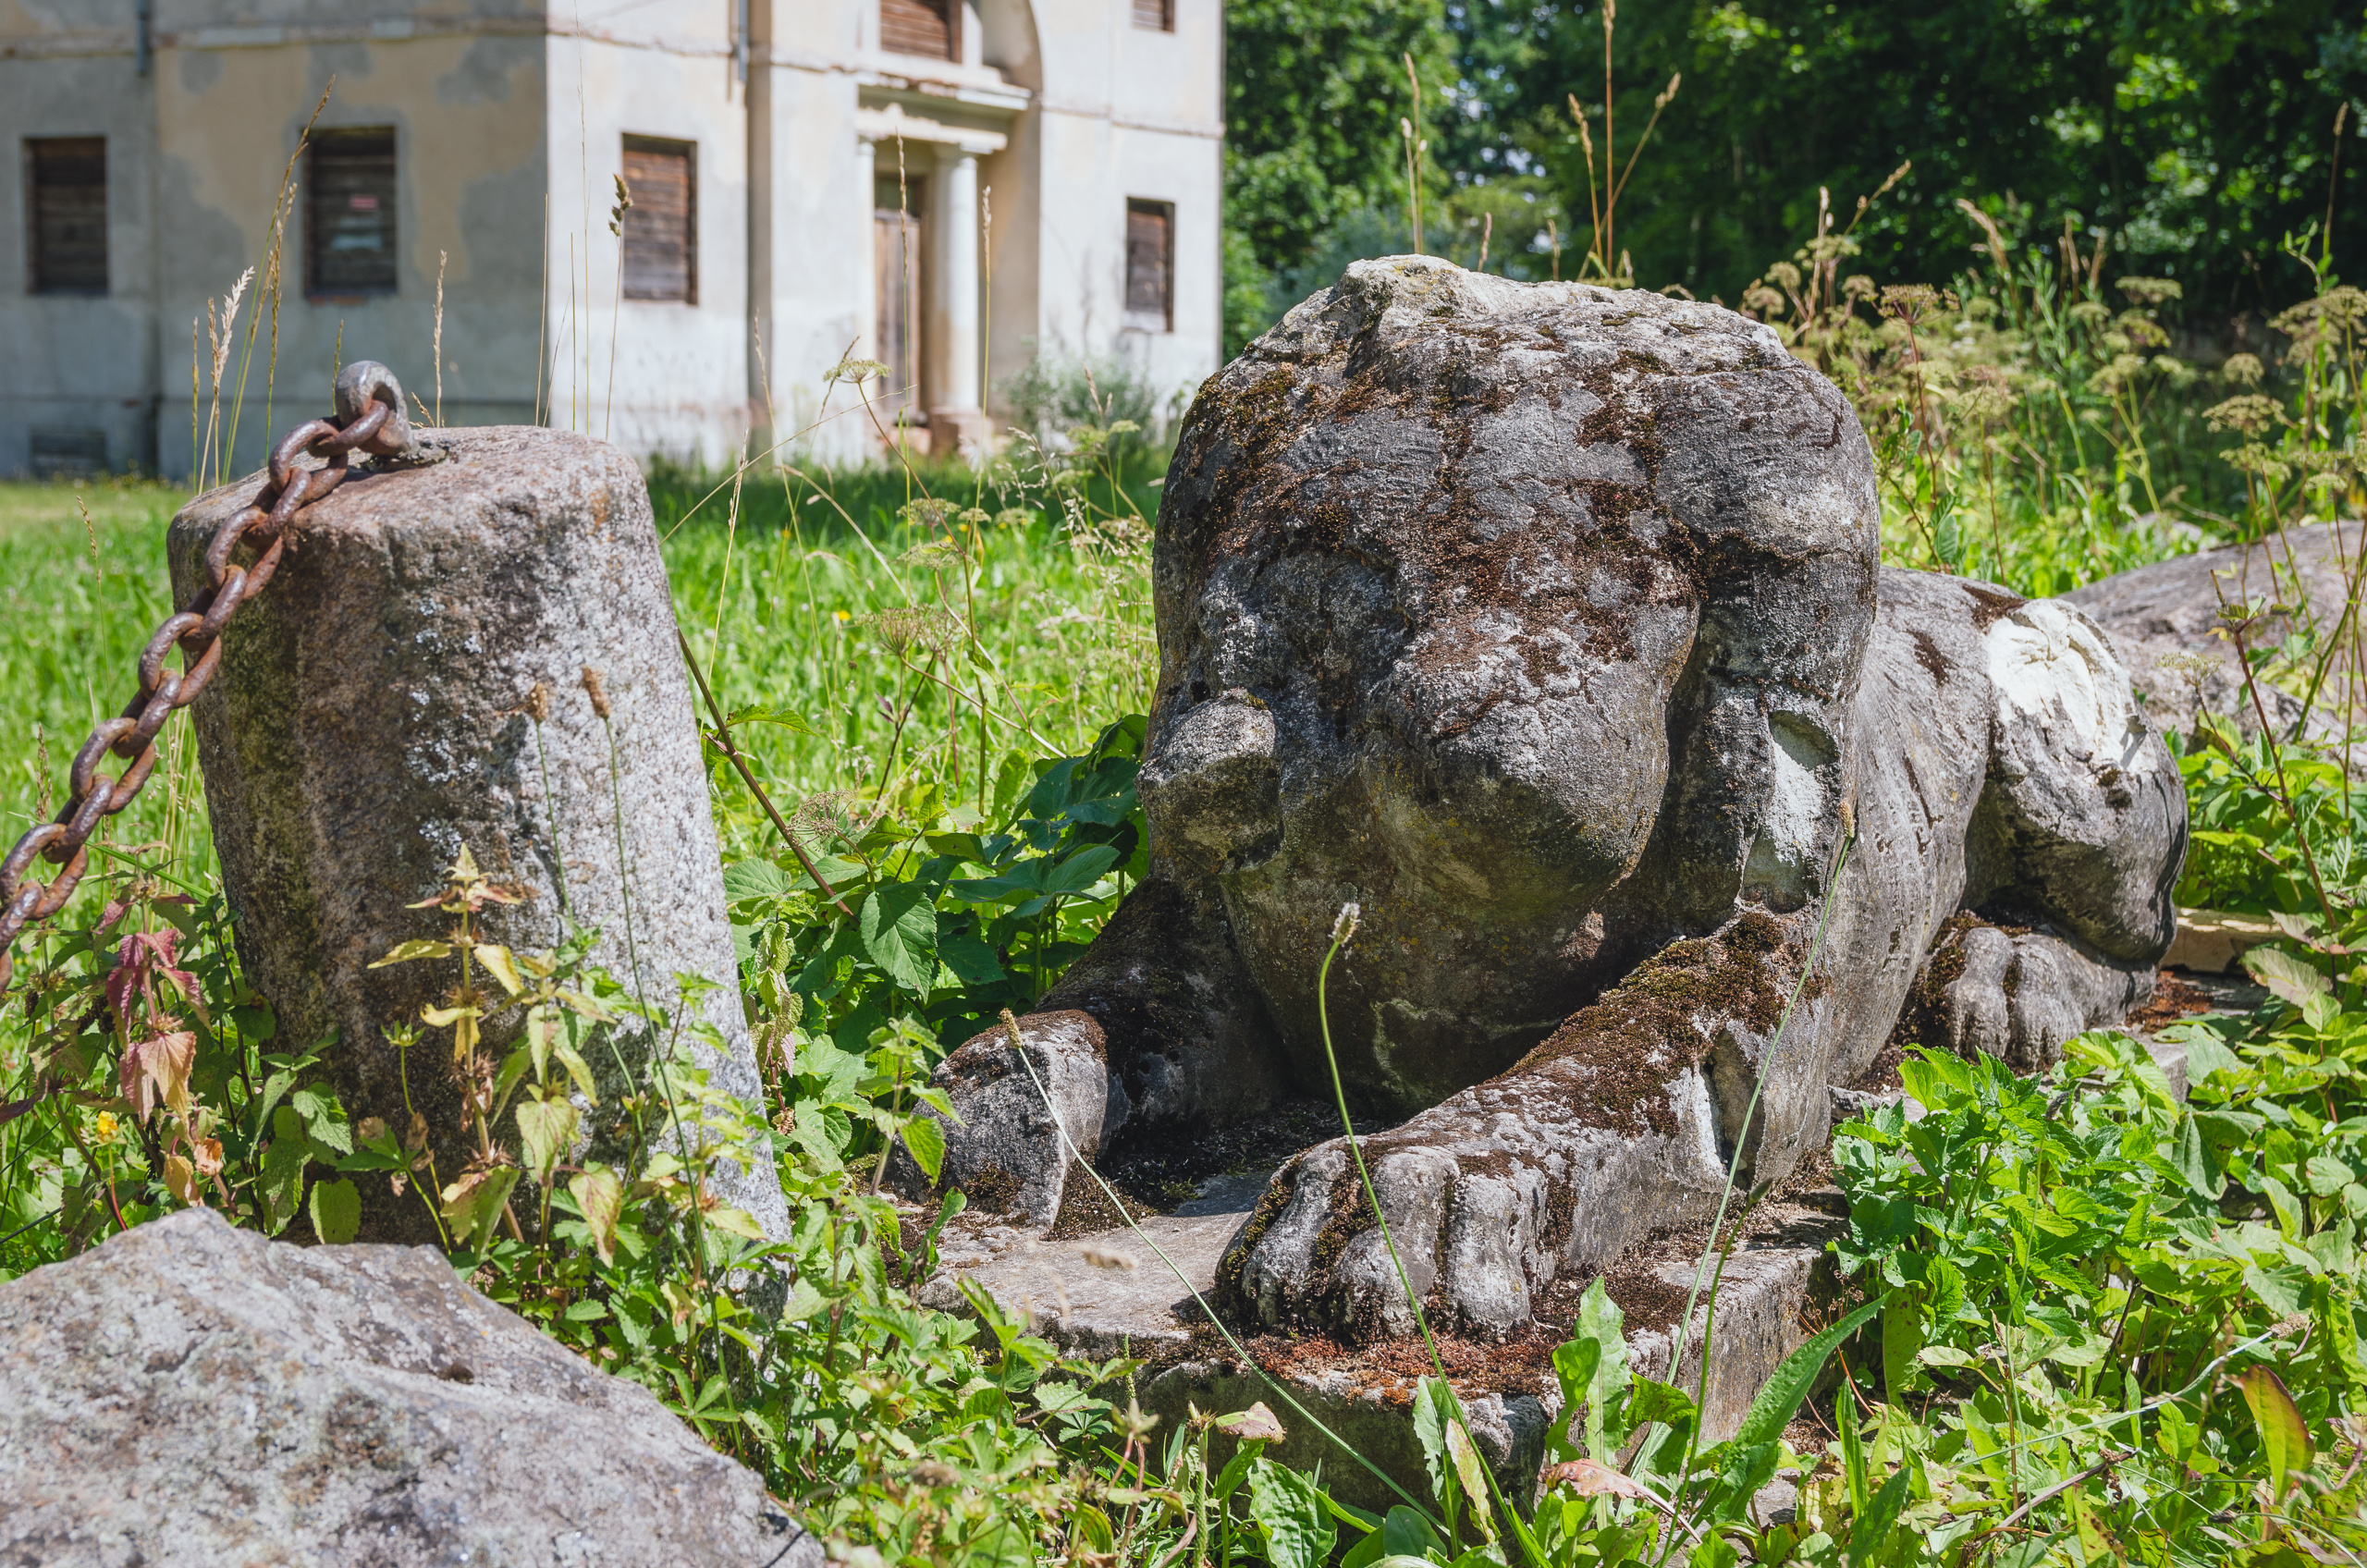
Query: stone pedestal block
375	713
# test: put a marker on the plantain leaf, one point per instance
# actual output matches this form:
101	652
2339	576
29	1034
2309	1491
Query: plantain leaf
2284	1436
1772	1409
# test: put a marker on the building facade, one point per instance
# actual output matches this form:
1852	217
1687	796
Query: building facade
949	188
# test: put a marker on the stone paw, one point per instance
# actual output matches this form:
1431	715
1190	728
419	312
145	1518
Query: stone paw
1471	1240
1002	1148
2019	994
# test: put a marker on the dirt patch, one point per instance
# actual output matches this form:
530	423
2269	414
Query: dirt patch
991	1190
1086	1210
2175	996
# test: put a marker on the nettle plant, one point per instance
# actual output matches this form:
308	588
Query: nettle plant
928	910
2115	1318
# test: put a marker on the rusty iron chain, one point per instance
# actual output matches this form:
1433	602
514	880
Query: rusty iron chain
369	419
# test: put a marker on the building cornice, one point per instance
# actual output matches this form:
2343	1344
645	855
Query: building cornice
102	41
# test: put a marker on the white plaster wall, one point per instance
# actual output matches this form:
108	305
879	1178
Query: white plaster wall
73	362
1128	113
466	113
817	237
653	376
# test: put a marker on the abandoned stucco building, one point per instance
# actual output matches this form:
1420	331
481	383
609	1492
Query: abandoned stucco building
811	181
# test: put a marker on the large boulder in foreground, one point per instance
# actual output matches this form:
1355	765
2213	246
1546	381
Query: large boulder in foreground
190	1393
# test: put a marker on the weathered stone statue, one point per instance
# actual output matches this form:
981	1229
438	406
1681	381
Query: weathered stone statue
1545	623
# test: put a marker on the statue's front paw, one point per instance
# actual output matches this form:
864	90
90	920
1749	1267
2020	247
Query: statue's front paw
1310	1257
2019	995
1003	1150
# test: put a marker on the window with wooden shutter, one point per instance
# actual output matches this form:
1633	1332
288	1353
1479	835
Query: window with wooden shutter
1158	16
349	212
1151	265
661	251
922	27
67	184
896	260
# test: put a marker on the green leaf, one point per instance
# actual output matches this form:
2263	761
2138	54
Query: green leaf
405	951
972	962
1472	1474
1366	1552
765	714
1433	1413
1871	1527
2284	1436
1080	870
925	1139
1405	1533
600	1199
472	1205
1772	1410
1296	1527
1601	1322
755	880
337	1212
2292	978
1902	1341
2191	1161
546	1131
899	929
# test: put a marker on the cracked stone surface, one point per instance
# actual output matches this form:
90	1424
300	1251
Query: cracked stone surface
190	1393
1110	1293
2163	621
1546	624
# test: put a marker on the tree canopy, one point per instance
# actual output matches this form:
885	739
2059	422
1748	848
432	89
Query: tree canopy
2190	137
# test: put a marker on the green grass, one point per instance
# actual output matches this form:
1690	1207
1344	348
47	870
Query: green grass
77	605
800	571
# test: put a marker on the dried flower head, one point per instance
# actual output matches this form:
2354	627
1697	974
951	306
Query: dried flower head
538	703
596	686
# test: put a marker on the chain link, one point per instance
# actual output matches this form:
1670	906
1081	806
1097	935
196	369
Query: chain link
369	419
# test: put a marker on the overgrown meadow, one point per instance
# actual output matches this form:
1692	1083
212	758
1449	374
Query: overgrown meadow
2088	1321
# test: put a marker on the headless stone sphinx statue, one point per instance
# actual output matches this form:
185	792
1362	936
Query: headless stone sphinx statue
1546	624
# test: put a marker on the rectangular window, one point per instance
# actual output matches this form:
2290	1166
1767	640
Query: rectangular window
896	256
661	228
349	212
1158	16
66	181
1151	265
922	27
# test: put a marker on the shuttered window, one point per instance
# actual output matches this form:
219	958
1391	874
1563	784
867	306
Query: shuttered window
1151	265
922	27
661	250
67	184
1158	16
349	212
896	257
